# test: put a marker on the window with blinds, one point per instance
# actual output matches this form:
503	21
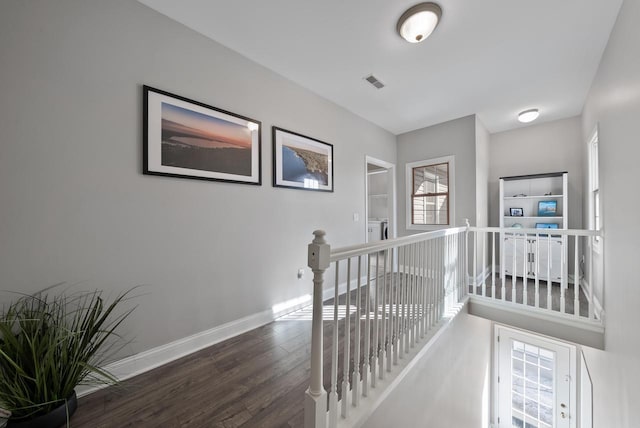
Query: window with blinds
430	194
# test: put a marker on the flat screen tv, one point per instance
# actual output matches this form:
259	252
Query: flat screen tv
547	208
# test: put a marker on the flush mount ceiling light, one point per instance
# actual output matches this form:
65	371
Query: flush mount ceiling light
419	21
528	115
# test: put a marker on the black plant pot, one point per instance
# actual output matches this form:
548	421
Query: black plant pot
54	419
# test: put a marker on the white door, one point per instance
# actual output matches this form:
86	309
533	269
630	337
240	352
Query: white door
535	381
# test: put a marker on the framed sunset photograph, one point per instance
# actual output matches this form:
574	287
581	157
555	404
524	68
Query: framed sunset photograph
301	162
189	139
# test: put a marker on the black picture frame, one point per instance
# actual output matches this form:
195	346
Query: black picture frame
516	212
301	162
185	138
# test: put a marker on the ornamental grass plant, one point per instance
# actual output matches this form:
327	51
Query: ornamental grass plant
52	342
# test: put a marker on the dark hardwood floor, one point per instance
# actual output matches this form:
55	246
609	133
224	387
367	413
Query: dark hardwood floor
257	379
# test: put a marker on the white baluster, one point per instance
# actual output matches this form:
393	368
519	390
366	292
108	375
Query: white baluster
503	267
414	285
475	263
376	333
563	284
355	381
466	258
549	283
333	394
493	265
346	344
484	263
576	278
525	269
537	280
315	406
367	333
383	337
514	275
391	335
403	298
441	278
398	283
422	268
432	282
592	281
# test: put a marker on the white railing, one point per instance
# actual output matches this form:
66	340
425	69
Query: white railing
548	270
387	296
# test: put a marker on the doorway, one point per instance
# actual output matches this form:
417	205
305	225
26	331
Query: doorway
380	200
535	381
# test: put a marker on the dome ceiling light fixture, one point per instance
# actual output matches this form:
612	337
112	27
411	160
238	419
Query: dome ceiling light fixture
528	115
419	21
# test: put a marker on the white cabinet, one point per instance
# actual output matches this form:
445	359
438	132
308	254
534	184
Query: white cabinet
538	201
522	254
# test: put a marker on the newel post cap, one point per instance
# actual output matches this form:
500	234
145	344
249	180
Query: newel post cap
319	251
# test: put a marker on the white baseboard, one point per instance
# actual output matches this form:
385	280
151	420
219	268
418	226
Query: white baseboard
156	357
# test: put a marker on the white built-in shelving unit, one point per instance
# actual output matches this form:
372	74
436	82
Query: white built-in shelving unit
523	195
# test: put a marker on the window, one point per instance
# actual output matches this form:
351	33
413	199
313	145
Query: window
430	186
594	188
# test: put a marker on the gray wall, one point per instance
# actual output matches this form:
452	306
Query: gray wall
456	137
614	105
75	206
449	386
547	147
482	174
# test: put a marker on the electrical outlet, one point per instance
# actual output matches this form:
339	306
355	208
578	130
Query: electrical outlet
300	273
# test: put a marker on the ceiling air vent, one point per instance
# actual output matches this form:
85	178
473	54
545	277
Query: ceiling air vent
374	81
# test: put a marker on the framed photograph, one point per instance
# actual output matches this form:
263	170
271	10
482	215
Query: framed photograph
301	162
189	139
547	208
516	212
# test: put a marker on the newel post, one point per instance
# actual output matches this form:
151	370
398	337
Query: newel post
315	402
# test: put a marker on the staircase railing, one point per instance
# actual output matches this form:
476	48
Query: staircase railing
386	298
553	271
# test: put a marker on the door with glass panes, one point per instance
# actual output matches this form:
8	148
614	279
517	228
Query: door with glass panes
535	381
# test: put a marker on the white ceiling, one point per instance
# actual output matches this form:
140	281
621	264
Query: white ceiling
489	57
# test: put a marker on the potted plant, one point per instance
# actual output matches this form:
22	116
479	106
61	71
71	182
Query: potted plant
49	344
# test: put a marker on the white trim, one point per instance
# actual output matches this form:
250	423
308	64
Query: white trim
391	199
450	159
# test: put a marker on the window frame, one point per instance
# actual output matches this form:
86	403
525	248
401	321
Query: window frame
409	167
